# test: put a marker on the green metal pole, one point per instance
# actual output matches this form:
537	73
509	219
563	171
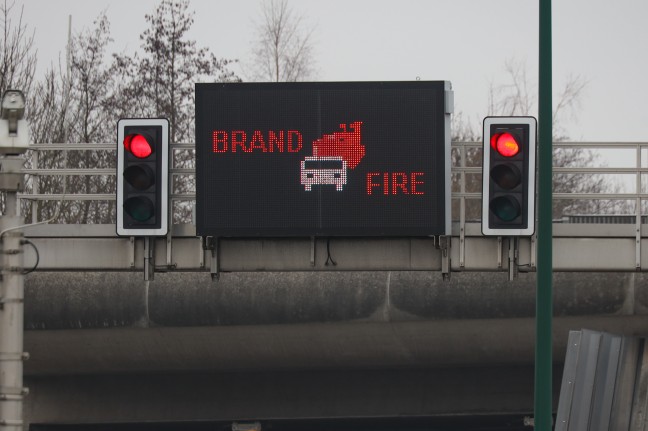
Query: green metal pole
544	285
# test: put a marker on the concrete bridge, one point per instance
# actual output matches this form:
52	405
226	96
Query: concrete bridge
108	347
402	333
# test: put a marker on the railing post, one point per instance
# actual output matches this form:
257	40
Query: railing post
35	186
638	211
169	238
462	208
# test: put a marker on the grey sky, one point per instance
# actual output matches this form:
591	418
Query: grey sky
464	41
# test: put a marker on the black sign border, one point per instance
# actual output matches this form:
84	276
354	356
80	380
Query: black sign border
357	231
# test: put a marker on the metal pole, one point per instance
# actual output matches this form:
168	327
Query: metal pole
544	287
35	186
11	320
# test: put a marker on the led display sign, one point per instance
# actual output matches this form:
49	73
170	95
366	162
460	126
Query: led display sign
323	159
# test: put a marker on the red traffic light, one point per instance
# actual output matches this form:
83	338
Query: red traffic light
142	193
505	144
508	180
138	145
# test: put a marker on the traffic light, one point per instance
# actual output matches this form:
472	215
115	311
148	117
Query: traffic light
142	177
508	193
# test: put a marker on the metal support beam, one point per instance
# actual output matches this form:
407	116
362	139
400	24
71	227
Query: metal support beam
512	258
445	243
149	258
576	247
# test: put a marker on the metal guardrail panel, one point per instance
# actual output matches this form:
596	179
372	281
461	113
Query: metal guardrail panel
624	388
100	254
618	253
639	415
568	381
605	382
604	385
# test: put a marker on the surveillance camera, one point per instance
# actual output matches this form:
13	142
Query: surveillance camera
13	105
14	130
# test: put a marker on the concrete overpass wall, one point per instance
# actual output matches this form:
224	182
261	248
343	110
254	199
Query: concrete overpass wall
62	300
108	347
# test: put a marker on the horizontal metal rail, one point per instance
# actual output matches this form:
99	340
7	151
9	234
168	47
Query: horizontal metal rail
93	197
595	144
79	147
460	169
71	172
96	171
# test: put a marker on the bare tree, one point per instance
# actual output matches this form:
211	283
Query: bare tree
49	107
513	97
517	96
18	57
70	105
92	84
49	119
284	49
569	101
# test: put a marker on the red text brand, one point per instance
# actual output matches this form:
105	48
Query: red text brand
258	141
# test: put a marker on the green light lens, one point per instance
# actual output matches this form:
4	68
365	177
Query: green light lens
505	208
139	208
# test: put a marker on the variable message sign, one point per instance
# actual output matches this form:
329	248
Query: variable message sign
323	159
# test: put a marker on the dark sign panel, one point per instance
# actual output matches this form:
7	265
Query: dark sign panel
323	159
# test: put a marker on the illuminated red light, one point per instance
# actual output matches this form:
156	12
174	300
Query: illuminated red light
505	144
138	146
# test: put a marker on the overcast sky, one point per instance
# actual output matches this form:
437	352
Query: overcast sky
464	41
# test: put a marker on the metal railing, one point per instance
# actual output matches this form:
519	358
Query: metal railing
36	195
461	169
466	177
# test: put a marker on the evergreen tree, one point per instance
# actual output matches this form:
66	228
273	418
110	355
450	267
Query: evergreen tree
160	81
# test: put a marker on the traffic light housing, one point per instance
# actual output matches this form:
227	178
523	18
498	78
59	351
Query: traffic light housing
142	177
509	160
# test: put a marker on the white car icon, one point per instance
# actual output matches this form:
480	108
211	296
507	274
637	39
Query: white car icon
323	170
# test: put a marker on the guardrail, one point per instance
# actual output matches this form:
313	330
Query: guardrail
466	152
582	242
466	174
34	171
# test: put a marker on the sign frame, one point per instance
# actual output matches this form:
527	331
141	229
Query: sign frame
215	101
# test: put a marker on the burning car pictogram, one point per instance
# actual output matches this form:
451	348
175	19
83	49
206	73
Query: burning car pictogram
332	155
